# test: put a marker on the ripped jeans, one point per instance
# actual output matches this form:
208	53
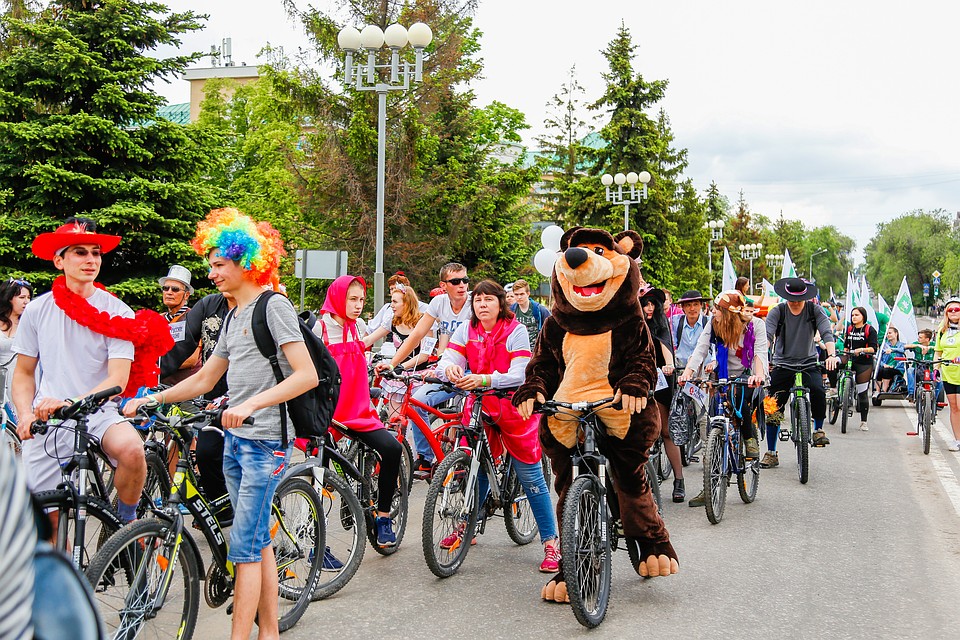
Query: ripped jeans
535	486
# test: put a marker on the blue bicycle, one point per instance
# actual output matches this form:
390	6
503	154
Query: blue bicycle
724	454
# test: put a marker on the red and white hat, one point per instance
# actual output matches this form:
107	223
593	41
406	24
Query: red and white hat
48	245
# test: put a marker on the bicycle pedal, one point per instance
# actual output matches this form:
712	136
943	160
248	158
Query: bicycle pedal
784	435
694	458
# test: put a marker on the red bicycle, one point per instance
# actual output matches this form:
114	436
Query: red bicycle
441	433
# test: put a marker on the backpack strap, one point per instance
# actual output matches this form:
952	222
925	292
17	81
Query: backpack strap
682	320
268	349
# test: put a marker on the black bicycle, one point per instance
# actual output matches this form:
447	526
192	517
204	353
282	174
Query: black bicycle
81	507
591	527
843	403
147	576
454	512
925	398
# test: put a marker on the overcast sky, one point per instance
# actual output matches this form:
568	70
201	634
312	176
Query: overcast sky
838	112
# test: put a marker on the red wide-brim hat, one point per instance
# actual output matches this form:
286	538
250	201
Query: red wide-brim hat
46	245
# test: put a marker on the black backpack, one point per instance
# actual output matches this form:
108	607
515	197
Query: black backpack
809	308
312	411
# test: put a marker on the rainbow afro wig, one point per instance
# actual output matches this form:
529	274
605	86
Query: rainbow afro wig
256	246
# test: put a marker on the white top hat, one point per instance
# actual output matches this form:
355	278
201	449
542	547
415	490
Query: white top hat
180	274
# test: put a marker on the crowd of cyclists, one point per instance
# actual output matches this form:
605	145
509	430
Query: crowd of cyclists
80	339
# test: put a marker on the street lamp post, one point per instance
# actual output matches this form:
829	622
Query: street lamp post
617	195
775	260
750	252
812	256
367	77
716	234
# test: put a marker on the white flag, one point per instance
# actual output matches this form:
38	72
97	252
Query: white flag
833	296
872	319
729	275
851	300
788	269
902	315
882	306
768	291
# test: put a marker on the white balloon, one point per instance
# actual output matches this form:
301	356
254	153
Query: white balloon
550	237
544	261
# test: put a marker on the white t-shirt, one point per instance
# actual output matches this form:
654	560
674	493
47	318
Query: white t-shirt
447	320
335	331
73	359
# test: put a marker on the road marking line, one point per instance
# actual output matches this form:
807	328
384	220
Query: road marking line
949	480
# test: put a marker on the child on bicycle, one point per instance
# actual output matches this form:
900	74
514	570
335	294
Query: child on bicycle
494	347
340	327
741	347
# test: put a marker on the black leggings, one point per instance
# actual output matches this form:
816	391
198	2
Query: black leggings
210	464
781	381
385	443
862	373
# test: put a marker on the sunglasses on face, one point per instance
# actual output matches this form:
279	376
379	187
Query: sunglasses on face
167	287
458	281
953	309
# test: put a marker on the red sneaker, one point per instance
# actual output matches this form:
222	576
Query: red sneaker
551	559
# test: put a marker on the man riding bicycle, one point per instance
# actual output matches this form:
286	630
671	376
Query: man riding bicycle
791	327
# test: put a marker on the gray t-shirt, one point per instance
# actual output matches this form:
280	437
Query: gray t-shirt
795	346
249	373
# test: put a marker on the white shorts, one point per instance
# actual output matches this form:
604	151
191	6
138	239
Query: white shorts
43	454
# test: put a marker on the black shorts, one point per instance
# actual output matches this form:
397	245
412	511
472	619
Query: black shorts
951	389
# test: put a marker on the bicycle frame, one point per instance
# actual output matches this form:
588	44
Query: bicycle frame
408	413
723	398
798	394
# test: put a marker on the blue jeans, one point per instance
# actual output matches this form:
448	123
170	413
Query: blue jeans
252	469
431	395
538	494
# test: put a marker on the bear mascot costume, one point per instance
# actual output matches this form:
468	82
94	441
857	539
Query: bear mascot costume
594	346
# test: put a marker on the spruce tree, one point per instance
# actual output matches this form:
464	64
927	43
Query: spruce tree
79	136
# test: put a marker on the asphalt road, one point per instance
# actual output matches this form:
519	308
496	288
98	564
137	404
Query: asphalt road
869	548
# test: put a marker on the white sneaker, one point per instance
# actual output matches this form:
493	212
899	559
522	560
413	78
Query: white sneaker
955	446
864	427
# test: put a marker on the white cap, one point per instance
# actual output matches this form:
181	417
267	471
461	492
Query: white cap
180	274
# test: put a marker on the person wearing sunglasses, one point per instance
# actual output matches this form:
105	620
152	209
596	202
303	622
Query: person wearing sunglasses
948	348
14	296
177	290
448	310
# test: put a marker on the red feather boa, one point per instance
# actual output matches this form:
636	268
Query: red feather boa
147	330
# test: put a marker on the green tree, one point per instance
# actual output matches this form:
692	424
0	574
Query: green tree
829	268
78	135
563	152
913	245
448	197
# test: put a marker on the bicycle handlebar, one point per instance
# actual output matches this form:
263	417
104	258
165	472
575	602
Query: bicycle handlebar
84	406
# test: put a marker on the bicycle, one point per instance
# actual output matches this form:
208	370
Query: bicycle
454	512
440	434
800	421
348	489
590	530
725	451
844	402
154	562
86	491
925	398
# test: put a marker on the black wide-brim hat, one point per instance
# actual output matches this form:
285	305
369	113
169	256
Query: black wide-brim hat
692	296
653	292
795	289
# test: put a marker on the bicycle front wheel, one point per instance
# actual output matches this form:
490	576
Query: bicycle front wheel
345	527
585	548
297	532
715	478
846	401
801	425
129	573
101	523
449	515
833	405
926	419
398	507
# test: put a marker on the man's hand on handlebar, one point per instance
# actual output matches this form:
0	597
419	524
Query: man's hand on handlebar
685	376
233	417
526	407
23	426
755	381
47	406
832	362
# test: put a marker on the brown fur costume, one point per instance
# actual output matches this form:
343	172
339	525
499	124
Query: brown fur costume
595	344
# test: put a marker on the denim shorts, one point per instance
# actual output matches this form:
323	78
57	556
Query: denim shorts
252	469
